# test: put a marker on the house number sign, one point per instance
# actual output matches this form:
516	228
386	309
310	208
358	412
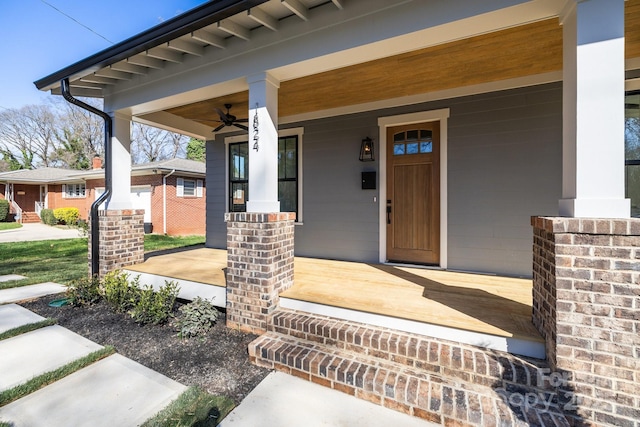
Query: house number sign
256	136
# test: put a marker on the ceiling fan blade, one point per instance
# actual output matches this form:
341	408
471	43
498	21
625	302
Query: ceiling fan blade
219	127
222	114
242	120
241	126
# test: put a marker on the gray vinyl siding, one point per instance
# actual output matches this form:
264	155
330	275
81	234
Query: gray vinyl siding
216	236
505	164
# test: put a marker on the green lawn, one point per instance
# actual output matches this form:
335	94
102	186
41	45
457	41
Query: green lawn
9	225
62	261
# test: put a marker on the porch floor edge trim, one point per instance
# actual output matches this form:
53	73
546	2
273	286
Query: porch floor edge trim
522	347
189	290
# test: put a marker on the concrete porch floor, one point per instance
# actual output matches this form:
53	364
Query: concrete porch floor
485	305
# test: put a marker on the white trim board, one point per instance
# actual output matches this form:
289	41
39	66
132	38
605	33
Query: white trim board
189	290
511	345
442	116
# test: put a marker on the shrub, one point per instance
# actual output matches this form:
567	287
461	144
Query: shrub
155	307
68	216
4	209
47	217
197	317
85	291
117	291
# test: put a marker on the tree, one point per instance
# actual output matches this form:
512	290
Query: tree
150	144
196	150
28	136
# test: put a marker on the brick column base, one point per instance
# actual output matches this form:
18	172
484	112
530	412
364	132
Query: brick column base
586	304
259	267
121	239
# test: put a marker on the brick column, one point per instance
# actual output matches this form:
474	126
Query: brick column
259	266
121	239
586	304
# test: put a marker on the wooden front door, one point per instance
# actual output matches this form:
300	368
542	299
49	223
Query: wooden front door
413	193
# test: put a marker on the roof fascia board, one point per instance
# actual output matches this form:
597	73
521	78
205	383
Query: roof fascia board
192	20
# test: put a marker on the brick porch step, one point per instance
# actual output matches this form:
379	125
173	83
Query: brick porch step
437	380
30	217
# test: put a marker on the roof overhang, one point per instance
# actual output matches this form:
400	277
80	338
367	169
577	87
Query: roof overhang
195	19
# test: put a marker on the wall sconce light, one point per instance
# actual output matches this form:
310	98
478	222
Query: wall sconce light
366	150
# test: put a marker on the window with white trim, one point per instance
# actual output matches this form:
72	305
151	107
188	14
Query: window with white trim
189	187
74	191
289	172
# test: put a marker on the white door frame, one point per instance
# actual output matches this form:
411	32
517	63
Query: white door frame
441	115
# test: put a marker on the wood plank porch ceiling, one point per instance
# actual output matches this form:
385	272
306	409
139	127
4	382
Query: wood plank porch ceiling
487	304
521	51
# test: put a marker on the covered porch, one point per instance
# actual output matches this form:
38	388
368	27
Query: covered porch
485	310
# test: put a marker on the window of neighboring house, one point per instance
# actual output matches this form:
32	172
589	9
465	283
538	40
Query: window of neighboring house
70	191
288	173
189	187
632	150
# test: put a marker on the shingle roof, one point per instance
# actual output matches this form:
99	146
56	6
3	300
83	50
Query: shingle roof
51	175
182	165
41	174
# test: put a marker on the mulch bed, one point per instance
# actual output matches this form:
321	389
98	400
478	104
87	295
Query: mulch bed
218	361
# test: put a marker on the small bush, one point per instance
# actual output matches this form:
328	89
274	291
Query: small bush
85	291
67	216
155	307
197	317
4	209
47	217
117	291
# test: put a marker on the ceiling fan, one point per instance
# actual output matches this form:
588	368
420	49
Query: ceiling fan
229	119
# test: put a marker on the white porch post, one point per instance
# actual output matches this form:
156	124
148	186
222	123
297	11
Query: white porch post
593	111
263	144
121	163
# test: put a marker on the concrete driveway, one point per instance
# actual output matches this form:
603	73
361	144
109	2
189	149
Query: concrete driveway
37	231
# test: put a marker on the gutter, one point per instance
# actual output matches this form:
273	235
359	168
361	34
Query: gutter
108	174
164	200
195	19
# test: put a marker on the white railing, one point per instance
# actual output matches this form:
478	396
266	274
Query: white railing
18	211
39	207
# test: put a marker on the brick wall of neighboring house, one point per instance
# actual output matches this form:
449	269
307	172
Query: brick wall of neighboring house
185	215
55	200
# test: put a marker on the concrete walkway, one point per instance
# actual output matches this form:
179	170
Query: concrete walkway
117	391
37	231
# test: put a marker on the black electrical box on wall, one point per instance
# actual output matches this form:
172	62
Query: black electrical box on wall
368	180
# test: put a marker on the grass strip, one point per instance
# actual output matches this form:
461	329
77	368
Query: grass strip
9	226
23	329
36	383
194	407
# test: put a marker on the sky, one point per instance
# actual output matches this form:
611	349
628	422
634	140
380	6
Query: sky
37	40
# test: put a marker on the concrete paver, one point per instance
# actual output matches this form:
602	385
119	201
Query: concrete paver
115	391
12	316
23	293
37	231
282	400
8	277
28	355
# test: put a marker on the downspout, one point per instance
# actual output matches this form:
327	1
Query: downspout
108	133
164	201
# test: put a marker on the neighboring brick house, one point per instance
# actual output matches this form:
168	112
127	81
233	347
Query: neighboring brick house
172	193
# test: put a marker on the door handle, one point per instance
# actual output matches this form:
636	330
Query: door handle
388	214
